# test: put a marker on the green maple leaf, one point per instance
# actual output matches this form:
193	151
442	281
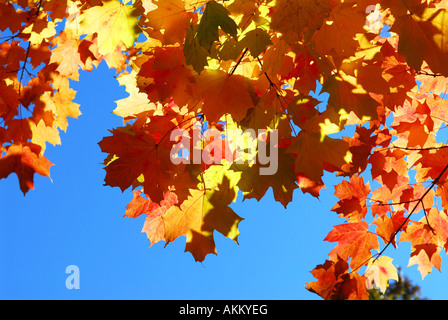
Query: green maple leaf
215	16
256	40
195	54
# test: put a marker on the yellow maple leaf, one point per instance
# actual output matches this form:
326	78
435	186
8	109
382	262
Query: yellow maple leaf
114	22
198	217
379	272
136	102
43	134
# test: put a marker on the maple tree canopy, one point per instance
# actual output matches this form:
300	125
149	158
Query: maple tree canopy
207	68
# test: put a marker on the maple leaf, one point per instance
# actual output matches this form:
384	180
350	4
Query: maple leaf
8	101
418	233
337	35
168	77
10	17
396	73
66	55
427	240
379	272
40	30
136	103
24	161
57	8
171	17
309	186
8	50
390	166
438	220
138	154
421	33
433	163
62	104
305	70
360	147
335	283
248	13
426	256
413	123
387	226
294	16
195	54
42	134
425	243
348	96
223	93
139	205
114	22
218	174
215	16
352	287
314	155
154	226
197	218
328	276
431	84
143	151
437	105
355	241
283	182
215	149
256	40
353	198
274	56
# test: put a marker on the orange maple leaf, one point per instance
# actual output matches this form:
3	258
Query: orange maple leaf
24	161
314	155
138	154
168	77
355	241
224	93
169	17
353	198
433	164
387	226
421	29
198	217
334	282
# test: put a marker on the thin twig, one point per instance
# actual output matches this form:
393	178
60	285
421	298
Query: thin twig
419	149
239	61
425	73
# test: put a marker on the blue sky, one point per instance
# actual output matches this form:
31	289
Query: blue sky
73	219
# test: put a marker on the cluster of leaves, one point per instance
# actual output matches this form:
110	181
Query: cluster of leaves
212	67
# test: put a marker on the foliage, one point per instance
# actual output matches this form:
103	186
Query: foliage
217	68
